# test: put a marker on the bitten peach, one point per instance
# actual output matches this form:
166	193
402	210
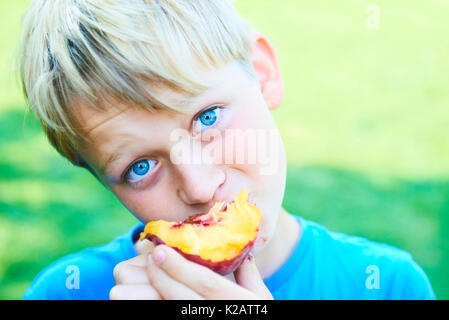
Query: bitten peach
219	239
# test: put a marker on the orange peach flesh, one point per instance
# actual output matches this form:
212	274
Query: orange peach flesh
219	235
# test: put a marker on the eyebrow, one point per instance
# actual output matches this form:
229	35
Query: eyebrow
111	158
117	151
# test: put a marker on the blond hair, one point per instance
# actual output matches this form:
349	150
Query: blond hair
126	49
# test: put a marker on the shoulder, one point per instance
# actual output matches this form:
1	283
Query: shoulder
378	270
87	274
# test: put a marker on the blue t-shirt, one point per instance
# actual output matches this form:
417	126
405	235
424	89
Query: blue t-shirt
324	265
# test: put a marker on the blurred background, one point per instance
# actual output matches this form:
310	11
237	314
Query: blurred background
365	124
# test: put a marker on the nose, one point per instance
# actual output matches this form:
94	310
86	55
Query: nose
199	183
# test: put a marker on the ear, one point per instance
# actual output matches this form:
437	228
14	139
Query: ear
268	72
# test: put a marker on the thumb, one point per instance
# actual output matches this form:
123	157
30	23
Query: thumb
144	246
247	275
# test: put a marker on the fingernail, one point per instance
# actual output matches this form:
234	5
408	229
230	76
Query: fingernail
159	256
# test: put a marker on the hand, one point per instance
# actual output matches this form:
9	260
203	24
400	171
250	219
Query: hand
131	279
165	274
175	277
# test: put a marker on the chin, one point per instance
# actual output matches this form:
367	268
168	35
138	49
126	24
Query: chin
264	236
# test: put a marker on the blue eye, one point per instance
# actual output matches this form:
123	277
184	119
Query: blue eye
140	169
207	119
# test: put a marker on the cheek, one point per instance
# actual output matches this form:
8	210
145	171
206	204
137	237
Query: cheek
268	171
150	204
251	141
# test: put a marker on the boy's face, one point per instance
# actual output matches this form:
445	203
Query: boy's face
132	152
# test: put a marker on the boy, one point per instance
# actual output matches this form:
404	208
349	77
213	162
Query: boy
136	92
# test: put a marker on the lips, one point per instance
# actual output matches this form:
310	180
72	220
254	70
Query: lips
221	195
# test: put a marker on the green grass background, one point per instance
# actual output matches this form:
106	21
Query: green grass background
365	123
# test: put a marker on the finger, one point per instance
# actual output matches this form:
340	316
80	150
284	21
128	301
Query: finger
130	274
134	292
197	278
167	287
247	275
138	261
144	246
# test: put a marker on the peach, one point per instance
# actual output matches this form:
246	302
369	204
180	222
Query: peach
219	239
